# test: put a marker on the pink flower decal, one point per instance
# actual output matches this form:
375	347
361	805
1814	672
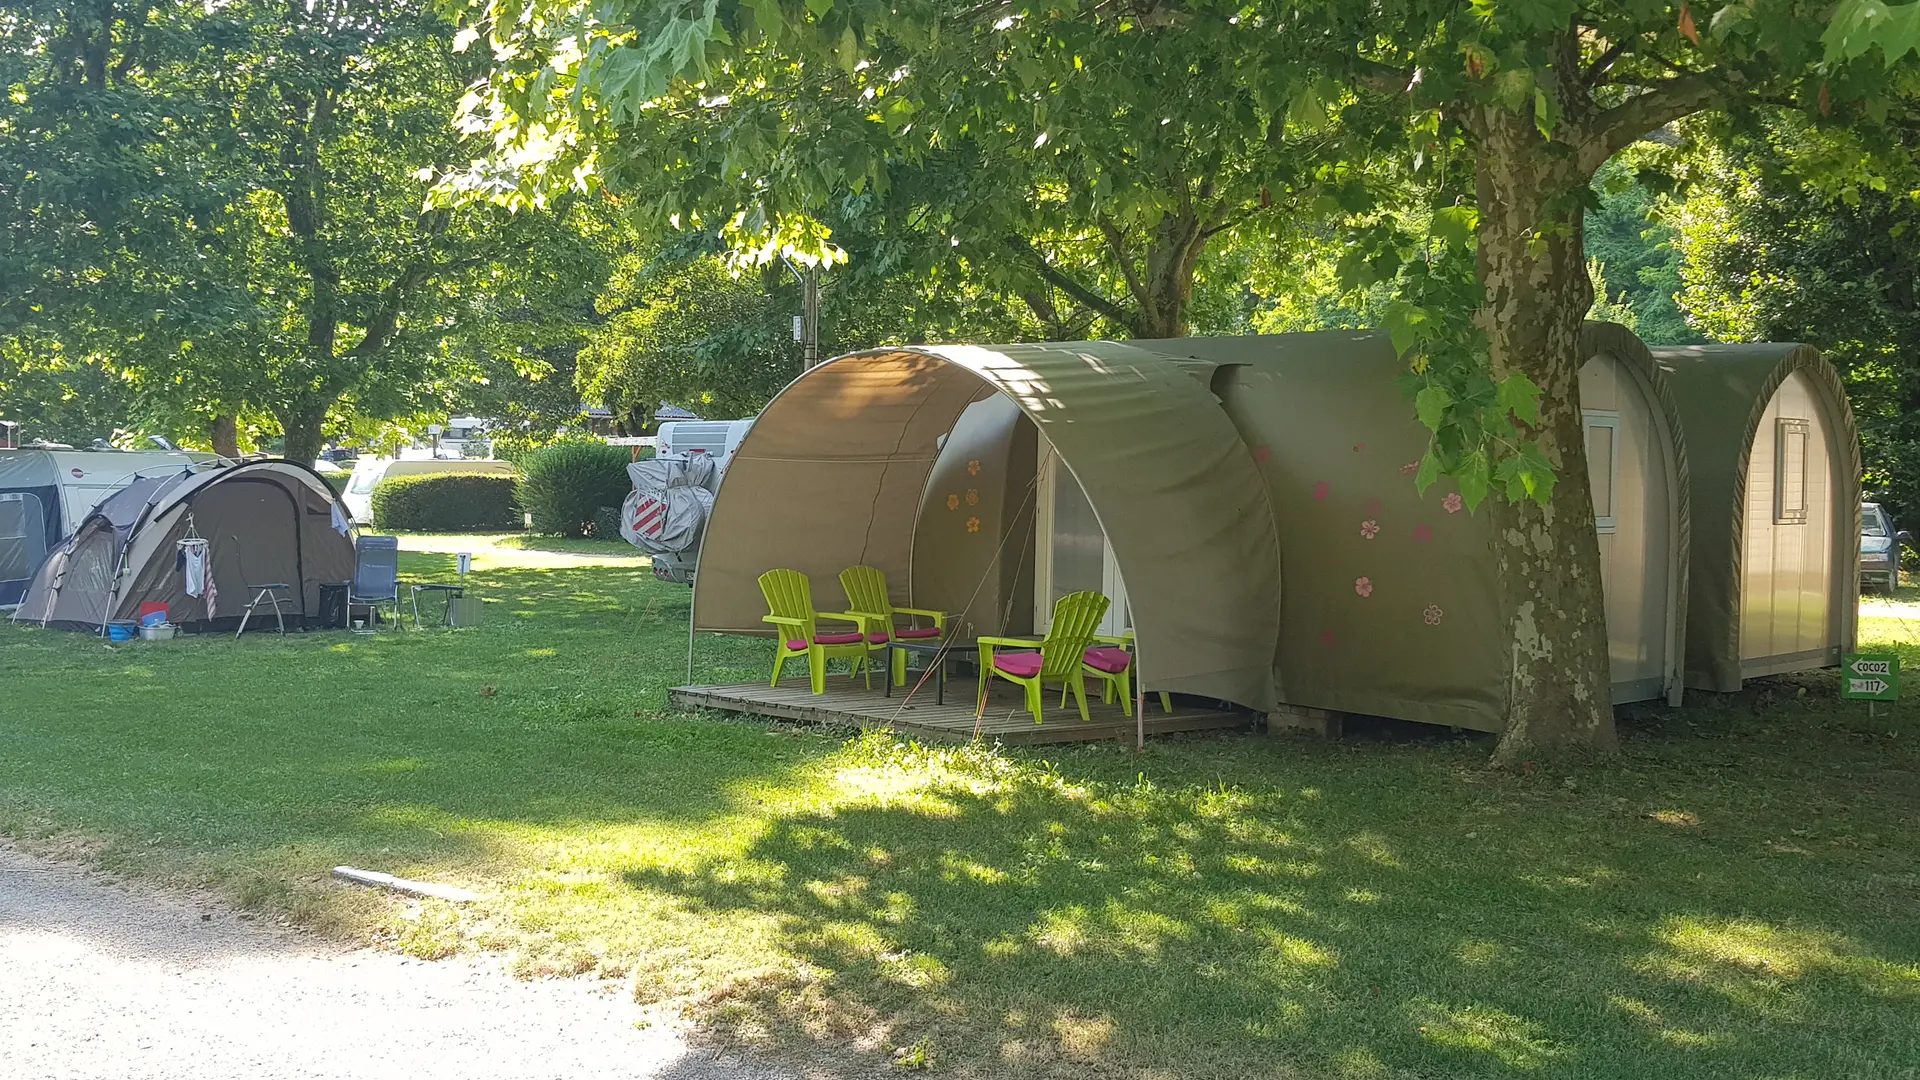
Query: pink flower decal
1432	614
1326	639
1262	452
1452	502
1357	447
1409	468
1422	533
1320	491
1363	586
1369	529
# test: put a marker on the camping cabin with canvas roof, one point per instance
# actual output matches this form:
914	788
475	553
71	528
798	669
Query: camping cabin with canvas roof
1775	492
1246	503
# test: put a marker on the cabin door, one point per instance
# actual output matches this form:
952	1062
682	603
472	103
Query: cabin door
1071	549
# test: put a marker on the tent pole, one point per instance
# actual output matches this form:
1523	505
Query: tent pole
1140	702
689	681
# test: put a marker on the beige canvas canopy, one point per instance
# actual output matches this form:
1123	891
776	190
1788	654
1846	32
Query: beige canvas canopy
835	473
1390	604
1775	487
264	521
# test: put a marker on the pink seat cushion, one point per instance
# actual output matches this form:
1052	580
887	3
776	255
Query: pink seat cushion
1111	661
913	632
876	639
1023	664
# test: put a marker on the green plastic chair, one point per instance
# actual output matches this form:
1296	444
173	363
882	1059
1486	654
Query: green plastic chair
1111	661
790	600
867	597
1060	657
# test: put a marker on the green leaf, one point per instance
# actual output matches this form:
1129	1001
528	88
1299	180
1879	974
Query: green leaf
1514	88
1456	225
1473	477
1430	404
1520	397
1429	472
1546	112
819	8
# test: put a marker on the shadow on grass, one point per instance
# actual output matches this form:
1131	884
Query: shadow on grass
1041	920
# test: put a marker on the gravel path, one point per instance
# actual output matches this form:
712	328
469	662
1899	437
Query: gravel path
97	981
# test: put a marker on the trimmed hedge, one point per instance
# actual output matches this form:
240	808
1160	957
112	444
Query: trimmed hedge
563	486
437	502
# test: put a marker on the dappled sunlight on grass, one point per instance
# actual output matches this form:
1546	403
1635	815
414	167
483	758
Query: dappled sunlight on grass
1731	896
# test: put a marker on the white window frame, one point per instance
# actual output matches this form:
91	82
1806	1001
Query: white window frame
1119	615
1785	429
1600	418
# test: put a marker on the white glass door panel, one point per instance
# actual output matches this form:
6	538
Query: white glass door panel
1072	554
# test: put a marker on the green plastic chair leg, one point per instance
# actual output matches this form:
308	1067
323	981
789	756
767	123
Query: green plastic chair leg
817	670
779	661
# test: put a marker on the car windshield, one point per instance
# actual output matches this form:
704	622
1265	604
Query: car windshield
1871	523
364	482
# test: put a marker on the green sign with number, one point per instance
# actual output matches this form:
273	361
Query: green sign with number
1870	677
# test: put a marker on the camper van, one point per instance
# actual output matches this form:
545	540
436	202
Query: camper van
666	513
368	472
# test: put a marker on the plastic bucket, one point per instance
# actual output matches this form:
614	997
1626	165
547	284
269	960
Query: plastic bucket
122	631
159	632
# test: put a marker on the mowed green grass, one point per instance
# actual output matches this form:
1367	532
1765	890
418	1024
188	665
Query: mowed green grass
1736	894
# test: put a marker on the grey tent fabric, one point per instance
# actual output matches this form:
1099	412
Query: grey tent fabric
1722	393
668	507
835	471
266	521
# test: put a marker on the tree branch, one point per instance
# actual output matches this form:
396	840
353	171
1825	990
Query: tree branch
1619	127
1117	242
1068	285
1604	63
1379	77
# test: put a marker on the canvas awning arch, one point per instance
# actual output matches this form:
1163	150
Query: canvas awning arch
833	472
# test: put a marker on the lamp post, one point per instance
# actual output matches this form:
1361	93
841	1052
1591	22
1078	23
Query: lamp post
806	325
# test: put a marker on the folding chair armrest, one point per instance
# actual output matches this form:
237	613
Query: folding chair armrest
1114	639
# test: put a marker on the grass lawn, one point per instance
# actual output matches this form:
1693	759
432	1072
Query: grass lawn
1737	894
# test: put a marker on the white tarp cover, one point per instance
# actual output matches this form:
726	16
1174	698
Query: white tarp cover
668	506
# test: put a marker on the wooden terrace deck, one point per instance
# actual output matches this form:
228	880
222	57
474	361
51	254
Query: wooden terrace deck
1006	720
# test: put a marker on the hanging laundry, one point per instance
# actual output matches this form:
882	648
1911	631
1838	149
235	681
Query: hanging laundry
193	552
340	524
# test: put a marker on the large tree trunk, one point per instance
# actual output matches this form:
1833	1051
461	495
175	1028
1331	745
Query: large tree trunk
1532	263
301	426
224	432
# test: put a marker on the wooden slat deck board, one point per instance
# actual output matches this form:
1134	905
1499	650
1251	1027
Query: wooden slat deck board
1005	721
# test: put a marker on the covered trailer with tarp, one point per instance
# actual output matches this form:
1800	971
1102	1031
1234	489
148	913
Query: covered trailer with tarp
1775	491
195	540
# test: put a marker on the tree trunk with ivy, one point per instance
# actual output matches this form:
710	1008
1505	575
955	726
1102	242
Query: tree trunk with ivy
302	426
1532	264
223	432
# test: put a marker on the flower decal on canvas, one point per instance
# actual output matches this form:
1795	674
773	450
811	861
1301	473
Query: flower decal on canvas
1320	491
1358	447
1422	533
973	524
973	496
953	502
1363	586
1369	529
1452	502
1432	614
1262	452
973	467
1409	468
1326	638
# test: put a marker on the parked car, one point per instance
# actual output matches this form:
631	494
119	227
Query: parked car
369	471
1880	547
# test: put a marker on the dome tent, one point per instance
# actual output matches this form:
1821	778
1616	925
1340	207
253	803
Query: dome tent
1775	490
265	521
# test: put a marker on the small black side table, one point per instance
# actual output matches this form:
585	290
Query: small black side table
938	653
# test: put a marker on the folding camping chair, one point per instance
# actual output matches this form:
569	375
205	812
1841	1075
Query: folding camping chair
274	596
376	579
